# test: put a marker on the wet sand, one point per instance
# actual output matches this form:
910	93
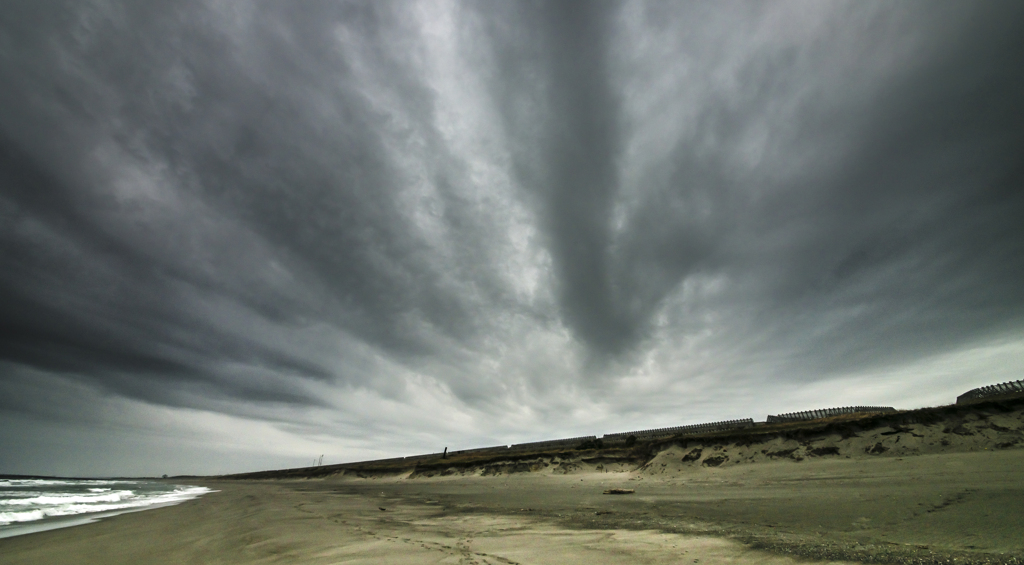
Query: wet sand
918	509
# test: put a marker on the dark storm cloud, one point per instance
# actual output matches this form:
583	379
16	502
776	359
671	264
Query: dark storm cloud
900	214
909	222
228	124
216	201
555	91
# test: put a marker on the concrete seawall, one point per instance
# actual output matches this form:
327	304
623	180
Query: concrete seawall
826	413
567	443
1009	389
681	430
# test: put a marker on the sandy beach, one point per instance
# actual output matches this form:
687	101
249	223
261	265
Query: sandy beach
942	485
924	509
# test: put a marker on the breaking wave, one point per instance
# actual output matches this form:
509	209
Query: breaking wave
31	500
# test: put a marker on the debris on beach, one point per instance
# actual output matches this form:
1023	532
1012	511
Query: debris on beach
619	491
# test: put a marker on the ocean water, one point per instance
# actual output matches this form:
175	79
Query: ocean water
29	505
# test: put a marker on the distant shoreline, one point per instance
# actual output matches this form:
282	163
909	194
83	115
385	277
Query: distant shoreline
60	478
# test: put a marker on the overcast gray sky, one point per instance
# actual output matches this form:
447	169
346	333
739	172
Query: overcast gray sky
238	235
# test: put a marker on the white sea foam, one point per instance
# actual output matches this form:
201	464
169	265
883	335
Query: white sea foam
31	483
27	516
29	500
49	499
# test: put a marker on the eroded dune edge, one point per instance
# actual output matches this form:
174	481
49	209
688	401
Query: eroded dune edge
933	485
993	425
